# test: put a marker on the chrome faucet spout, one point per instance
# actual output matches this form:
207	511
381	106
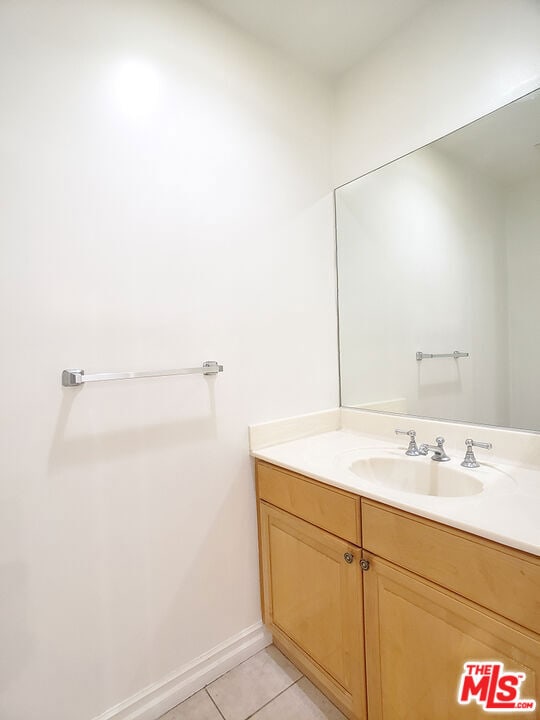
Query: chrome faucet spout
439	453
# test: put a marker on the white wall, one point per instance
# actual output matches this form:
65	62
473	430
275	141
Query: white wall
422	267
164	184
455	61
523	253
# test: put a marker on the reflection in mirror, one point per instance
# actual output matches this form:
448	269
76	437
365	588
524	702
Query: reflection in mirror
439	252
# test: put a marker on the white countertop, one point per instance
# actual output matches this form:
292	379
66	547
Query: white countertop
506	511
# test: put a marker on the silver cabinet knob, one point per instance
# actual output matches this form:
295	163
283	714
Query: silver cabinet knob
348	557
364	564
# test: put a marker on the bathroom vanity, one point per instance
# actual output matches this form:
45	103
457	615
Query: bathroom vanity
381	606
384	572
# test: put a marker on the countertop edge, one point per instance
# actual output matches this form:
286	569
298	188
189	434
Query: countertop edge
504	540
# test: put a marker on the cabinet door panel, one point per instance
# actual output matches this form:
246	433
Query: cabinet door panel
418	637
314	597
307	598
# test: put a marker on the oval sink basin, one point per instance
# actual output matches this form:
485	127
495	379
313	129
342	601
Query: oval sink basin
415	475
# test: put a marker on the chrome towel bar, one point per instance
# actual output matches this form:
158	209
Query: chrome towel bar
73	378
456	354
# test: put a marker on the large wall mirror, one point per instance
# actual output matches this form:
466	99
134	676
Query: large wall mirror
439	276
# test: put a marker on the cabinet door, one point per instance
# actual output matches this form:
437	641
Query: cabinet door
312	601
418	637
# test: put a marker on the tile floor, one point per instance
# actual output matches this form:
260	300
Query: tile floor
264	687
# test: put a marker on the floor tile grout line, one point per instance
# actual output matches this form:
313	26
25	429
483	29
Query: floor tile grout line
272	700
244	662
214	702
248	717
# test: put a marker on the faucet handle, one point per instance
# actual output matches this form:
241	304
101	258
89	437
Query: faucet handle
469	460
411	433
475	443
413	447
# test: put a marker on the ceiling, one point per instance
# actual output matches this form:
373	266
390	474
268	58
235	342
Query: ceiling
326	36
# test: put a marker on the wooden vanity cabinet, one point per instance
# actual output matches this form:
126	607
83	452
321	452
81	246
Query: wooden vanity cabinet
467	599
311	582
431	598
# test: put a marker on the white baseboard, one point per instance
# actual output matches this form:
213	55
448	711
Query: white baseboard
161	696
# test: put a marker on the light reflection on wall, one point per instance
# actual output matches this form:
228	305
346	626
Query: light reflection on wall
136	88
